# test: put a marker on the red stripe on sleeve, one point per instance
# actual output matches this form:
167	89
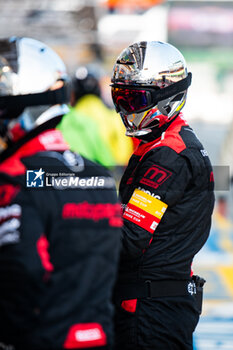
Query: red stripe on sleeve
42	248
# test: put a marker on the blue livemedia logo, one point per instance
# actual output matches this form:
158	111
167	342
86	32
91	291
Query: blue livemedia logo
35	178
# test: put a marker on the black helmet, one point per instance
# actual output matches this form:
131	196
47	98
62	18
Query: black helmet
85	82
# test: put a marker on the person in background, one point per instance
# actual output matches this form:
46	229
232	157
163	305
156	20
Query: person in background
91	128
59	243
167	198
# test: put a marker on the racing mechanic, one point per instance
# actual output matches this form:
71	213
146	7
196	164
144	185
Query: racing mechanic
167	197
59	246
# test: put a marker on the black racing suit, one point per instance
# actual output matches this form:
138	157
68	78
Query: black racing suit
59	247
174	171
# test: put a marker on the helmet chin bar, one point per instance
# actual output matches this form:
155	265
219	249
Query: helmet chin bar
141	132
140	126
135	133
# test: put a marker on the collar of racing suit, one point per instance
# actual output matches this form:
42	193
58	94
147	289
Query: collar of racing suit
14	147
174	126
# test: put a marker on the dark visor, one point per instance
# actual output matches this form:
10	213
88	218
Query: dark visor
131	99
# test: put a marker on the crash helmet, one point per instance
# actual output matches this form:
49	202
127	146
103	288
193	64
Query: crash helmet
149	86
32	79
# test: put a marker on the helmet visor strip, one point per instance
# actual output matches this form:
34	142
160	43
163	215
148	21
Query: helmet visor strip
132	99
50	97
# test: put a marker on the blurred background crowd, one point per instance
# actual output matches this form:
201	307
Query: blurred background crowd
89	35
